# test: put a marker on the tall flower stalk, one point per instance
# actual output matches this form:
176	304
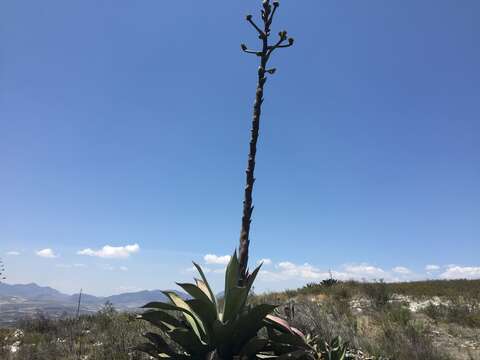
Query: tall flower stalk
264	31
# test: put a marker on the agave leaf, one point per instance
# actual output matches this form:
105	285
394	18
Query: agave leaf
297	354
186	311
234	301
161	319
278	323
208	306
158	353
297	332
252	347
266	356
222	332
156	339
281	349
290	339
251	322
232	275
193	320
195	292
149	349
188	340
206	313
202	286
205	283
251	277
160	343
162	306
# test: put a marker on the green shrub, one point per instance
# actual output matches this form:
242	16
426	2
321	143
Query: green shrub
458	311
378	292
405	342
398	313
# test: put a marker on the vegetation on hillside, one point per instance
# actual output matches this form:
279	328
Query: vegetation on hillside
331	320
369	328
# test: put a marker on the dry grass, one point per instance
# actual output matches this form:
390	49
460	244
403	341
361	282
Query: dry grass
105	336
362	314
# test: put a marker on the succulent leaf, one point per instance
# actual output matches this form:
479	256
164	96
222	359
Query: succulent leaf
160	343
206	306
251	277
234	301
223	332
278	323
204	330
252	321
149	349
205	313
192	318
232	274
189	341
161	319
253	346
204	287
205	282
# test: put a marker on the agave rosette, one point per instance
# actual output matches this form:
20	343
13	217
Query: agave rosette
203	327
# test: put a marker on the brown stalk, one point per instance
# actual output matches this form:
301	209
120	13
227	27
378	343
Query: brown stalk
268	12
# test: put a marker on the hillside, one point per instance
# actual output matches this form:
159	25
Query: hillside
427	320
20	301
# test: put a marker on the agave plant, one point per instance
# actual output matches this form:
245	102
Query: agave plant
203	329
335	350
289	342
286	341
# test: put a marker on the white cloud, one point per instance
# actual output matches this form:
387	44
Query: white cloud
287	270
461	272
265	262
216	260
123	268
46	253
111	252
365	271
69	266
13	253
401	270
295	273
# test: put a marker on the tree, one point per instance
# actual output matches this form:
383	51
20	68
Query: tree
268	12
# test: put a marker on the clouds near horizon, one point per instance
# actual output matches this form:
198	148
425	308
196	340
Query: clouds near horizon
212	259
111	252
46	253
461	272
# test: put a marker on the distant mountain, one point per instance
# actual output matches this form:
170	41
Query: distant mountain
138	299
35	293
32	292
24	300
86	299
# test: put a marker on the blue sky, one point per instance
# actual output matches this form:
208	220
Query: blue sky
127	122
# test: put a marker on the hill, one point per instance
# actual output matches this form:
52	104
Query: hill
18	301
